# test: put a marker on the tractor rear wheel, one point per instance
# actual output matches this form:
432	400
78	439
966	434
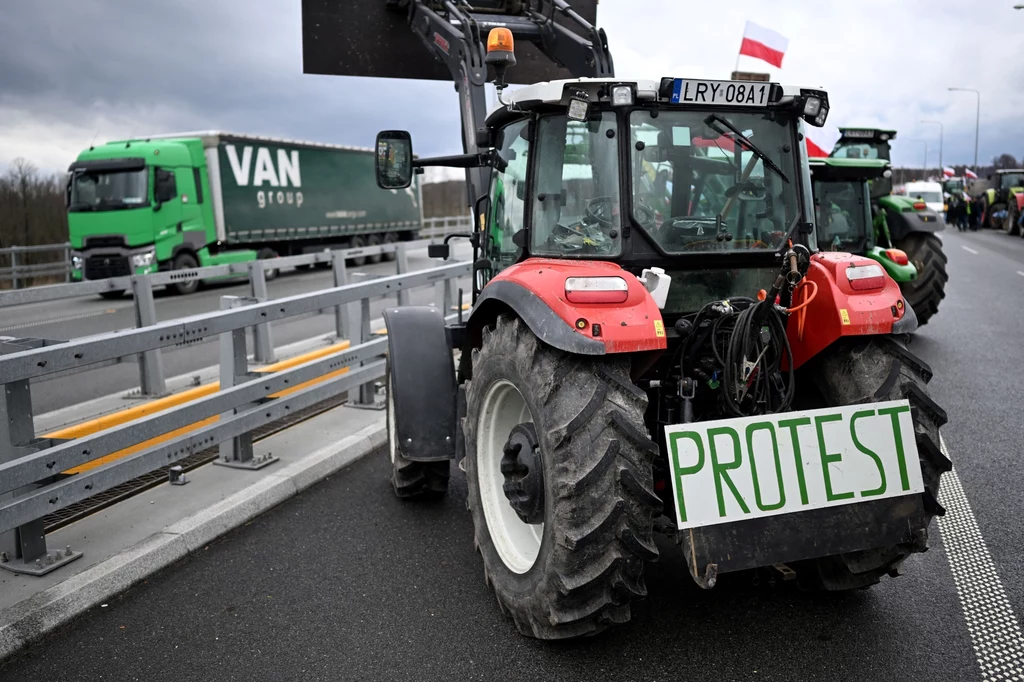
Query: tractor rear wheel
926	292
559	466
1010	225
878	369
409	478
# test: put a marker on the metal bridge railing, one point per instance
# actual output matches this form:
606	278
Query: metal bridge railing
31	483
17	271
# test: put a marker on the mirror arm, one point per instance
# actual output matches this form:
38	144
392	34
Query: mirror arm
488	158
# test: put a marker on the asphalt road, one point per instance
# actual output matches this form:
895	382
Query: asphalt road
345	582
87	316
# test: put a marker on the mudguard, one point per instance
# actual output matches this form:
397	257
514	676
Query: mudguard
535	291
423	388
902	219
838	310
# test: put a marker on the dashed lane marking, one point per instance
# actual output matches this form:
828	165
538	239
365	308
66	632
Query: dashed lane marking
968	249
40	323
991	622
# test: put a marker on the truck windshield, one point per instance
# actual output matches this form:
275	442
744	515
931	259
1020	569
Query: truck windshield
576	196
697	186
841	215
104	191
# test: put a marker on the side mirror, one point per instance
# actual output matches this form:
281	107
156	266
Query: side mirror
438	251
394	159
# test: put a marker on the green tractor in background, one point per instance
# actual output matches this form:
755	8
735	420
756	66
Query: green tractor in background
997	196
842	202
901	222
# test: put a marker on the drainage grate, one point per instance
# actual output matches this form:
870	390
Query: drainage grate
102	500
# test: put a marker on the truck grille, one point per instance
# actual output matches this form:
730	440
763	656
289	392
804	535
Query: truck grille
102	267
104	242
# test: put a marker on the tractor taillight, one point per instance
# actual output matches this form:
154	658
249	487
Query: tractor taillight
897	256
596	290
865	277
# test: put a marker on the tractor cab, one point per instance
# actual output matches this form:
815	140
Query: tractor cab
844	216
866	144
692	176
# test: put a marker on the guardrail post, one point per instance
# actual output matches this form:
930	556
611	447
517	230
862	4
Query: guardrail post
262	341
342	323
234	370
23	550
402	260
67	263
151	369
14	267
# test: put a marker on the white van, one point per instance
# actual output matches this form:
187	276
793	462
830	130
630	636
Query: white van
928	192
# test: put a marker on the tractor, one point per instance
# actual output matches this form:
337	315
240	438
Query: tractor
843	205
997	197
659	357
909	225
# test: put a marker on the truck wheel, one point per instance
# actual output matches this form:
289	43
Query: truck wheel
559	467
409	478
184	261
357	242
267	253
1010	225
374	240
926	292
390	238
877	369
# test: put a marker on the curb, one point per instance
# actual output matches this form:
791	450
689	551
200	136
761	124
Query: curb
31	619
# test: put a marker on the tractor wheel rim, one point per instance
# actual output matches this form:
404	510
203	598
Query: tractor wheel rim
516	542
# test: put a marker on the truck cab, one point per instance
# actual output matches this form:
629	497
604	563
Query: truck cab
136	207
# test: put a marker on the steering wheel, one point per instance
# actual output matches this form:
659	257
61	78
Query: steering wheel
644	214
601	210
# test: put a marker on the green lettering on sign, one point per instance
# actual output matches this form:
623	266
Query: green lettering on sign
770	428
827	457
870	453
721	470
673	444
894	414
792	425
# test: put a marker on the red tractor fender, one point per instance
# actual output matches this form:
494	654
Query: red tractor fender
535	291
838	310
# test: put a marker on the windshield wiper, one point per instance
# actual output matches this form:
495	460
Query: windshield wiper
711	120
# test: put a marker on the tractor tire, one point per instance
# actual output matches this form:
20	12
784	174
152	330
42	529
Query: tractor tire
425	480
575	569
184	261
926	292
877	369
1010	225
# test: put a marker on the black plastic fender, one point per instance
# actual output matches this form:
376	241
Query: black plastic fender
422	383
903	223
546	325
908	323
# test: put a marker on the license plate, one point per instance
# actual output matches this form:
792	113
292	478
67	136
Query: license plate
733	93
751	467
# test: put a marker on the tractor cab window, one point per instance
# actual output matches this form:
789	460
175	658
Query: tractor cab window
1008	180
841	215
576	189
856	150
698	186
508	191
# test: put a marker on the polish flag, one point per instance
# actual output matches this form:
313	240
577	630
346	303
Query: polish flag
762	43
820	141
970	174
948	172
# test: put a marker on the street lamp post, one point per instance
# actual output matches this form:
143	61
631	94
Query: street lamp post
939	123
977	121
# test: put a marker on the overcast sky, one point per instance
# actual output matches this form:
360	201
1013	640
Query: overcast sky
74	71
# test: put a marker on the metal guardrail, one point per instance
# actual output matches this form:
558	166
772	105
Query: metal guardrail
16	272
30	483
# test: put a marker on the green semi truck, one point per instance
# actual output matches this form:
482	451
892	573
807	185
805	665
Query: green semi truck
176	202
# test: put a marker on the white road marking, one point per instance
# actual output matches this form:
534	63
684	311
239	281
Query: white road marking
995	632
968	249
40	323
